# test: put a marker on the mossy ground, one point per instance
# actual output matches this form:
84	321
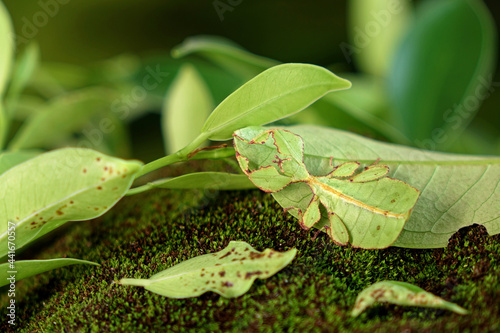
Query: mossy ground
147	233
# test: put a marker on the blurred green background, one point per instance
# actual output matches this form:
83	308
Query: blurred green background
86	32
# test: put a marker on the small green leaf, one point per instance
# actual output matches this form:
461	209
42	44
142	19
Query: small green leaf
367	210
229	272
436	84
6	48
401	293
199	180
11	159
187	106
22	269
69	184
272	95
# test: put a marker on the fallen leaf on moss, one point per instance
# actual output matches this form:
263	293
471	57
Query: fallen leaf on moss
229	273
401	293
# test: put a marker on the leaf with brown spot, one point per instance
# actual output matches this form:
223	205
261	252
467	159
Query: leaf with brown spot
53	186
228	278
401	293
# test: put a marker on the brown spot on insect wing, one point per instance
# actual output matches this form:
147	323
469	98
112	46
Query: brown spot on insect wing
59	213
226	284
98	159
99	187
84	170
222	273
393	200
378	227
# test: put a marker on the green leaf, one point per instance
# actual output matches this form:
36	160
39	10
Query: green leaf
62	117
401	293
187	106
229	273
437	84
375	29
199	180
366	209
11	159
272	95
69	184
456	190
22	269
226	54
6	48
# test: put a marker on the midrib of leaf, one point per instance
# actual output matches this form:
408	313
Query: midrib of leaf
426	162
192	272
269	101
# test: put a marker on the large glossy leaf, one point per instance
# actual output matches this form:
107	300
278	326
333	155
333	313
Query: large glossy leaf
229	272
22	269
442	69
456	190
199	180
401	293
69	184
6	47
274	94
62	117
363	207
187	106
375	29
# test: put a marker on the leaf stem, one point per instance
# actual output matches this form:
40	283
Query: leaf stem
134	282
180	156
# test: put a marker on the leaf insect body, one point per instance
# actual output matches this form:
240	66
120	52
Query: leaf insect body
367	201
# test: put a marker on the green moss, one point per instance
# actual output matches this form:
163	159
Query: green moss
147	233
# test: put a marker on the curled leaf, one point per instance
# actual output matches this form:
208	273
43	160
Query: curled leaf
401	293
229	273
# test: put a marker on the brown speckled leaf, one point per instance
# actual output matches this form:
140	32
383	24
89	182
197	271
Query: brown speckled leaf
229	272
